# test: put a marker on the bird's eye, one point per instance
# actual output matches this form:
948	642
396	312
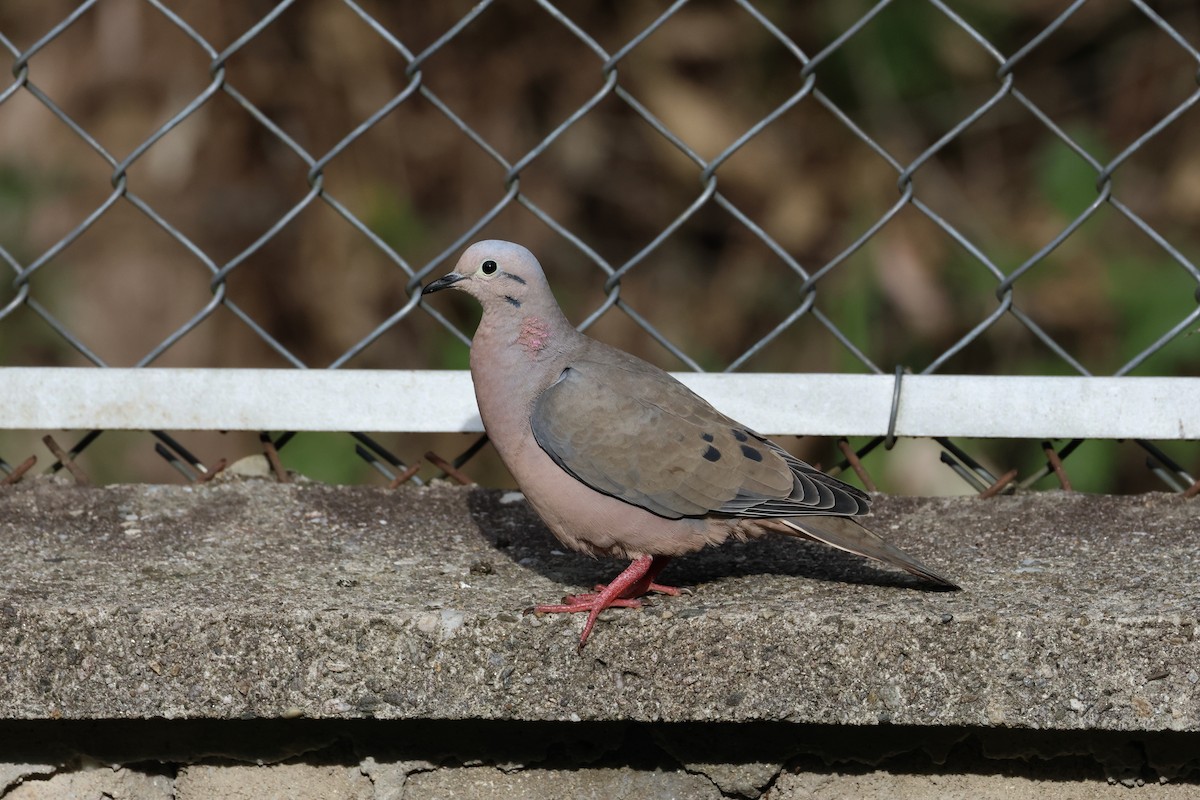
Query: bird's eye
488	267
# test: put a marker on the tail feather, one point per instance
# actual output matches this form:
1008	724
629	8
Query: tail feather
846	534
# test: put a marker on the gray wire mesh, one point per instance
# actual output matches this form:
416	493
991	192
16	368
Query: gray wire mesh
612	67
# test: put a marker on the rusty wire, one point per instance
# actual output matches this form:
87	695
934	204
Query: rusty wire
65	459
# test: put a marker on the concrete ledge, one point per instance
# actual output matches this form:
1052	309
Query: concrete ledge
258	600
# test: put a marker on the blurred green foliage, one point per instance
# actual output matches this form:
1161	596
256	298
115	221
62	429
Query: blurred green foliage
325	457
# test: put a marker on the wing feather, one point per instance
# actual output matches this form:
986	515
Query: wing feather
630	430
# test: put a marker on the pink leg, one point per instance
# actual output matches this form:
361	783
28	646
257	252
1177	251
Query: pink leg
622	592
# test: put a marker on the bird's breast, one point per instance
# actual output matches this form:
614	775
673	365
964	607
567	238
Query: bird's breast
533	335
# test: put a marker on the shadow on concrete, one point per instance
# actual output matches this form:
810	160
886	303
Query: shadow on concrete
515	530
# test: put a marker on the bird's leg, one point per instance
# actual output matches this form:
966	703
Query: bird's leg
646	584
622	592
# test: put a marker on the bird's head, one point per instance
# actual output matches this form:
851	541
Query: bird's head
498	274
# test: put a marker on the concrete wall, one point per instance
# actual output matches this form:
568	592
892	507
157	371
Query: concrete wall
263	640
186	760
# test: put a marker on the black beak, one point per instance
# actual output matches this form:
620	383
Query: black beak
443	282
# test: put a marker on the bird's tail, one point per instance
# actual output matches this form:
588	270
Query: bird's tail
846	534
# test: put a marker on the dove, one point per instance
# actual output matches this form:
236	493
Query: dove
619	458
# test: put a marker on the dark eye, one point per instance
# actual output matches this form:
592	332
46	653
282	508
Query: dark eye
488	267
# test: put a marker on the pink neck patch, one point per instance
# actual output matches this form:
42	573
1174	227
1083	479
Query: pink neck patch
534	335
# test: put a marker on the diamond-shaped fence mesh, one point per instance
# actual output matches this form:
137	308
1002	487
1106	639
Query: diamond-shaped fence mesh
974	188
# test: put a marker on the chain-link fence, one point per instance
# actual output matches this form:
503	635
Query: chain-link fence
987	188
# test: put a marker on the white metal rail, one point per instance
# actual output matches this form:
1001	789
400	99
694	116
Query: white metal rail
441	401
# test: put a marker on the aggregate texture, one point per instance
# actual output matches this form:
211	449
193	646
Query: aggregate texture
252	599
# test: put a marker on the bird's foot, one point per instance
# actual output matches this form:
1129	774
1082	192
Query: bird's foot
624	592
574	603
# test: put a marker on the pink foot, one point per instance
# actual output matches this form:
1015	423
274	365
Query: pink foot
623	592
574	603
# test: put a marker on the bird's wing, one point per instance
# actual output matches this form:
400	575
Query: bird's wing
630	430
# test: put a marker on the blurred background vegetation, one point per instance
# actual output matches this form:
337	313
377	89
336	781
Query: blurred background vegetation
515	73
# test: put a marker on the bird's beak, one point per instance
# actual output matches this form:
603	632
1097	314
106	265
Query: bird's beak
443	282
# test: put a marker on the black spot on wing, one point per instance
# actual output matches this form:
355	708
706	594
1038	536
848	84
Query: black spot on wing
750	453
708	437
741	436
712	454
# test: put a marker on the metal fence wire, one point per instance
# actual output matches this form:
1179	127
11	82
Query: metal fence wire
804	60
